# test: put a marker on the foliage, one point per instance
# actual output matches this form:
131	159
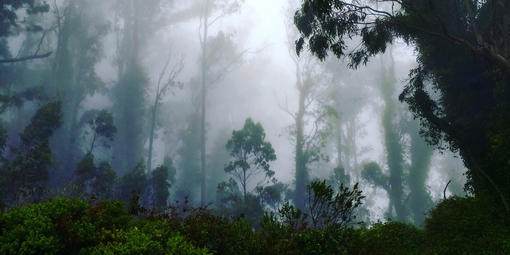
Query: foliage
250	154
9	11
25	175
133	183
101	124
467	225
97	180
459	97
390	238
162	179
64	226
328	209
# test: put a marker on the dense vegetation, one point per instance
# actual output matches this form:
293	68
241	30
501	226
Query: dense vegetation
63	226
104	121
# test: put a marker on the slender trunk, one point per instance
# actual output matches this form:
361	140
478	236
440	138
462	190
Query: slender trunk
93	141
151	135
205	28
339	143
244	185
301	171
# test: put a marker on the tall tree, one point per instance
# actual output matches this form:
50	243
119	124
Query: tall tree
136	23
421	154
251	155
162	88
392	140
26	175
212	12
79	31
466	112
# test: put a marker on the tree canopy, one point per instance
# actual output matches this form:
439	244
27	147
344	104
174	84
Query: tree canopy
459	90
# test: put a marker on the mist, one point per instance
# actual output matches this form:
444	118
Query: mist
155	89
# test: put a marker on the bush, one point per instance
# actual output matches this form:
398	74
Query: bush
218	234
467	226
390	238
64	226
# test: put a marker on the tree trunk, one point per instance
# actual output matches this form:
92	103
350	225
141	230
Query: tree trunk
151	135
203	98
301	160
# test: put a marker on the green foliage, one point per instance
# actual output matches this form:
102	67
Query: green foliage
24	176
96	180
467	226
101	124
133	182
459	97
64	226
328	209
129	112
250	153
390	238
373	174
162	178
9	10
219	235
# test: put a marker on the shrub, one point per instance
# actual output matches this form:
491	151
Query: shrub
64	226
390	238
467	226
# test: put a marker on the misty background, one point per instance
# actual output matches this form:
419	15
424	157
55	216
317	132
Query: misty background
149	63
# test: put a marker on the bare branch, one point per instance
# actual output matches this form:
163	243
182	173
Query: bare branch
14	60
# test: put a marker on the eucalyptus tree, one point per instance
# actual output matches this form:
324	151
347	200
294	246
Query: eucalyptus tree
212	12
449	93
250	155
310	128
24	178
79	31
392	139
163	86
135	23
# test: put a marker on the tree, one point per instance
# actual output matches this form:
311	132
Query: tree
468	110
10	24
251	155
79	30
101	125
132	185
27	173
392	141
421	154
330	208
162	179
135	24
310	127
209	13
161	90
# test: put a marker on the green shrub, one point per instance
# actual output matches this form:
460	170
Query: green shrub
64	226
467	226
218	234
390	238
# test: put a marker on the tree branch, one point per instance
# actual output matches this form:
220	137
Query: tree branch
14	60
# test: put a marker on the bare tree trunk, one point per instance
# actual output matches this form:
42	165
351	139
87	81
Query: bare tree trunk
151	135
203	98
301	160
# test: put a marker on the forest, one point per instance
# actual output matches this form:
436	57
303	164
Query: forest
300	127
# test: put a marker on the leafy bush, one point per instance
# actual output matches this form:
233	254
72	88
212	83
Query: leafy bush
467	226
64	226
218	234
390	238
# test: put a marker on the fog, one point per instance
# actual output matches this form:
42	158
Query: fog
123	56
